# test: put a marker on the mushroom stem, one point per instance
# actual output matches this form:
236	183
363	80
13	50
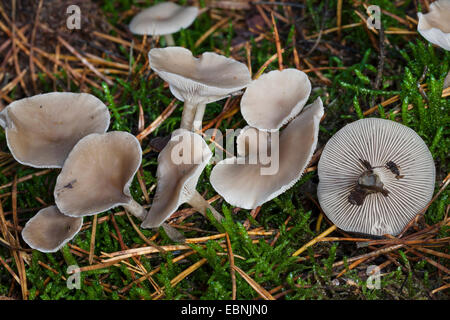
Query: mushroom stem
173	233
135	209
188	116
198	119
169	40
200	204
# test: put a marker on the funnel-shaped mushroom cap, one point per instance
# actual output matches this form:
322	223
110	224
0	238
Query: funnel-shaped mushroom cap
435	25
98	173
180	165
162	19
41	130
198	80
241	182
49	230
401	161
275	98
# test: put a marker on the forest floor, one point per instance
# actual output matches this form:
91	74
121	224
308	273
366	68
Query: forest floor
254	254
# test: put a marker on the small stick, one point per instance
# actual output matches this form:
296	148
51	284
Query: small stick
315	240
232	271
257	287
84	61
92	245
277	43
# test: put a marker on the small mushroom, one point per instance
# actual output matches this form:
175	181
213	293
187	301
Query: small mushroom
49	230
435	25
180	165
244	184
97	175
275	98
41	130
198	81
375	176
163	19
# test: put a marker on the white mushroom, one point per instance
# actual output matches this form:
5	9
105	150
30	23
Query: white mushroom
41	130
49	230
275	98
245	184
163	19
97	175
198	81
180	165
375	176
435	25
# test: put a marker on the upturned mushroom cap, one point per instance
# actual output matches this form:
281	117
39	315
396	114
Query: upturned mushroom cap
41	130
242	184
275	98
49	230
198	80
435	25
98	173
378	142
162	19
177	178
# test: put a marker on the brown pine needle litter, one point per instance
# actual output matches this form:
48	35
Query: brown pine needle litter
279	242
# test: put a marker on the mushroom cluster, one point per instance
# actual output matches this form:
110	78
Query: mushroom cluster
375	174
279	158
68	130
273	102
196	82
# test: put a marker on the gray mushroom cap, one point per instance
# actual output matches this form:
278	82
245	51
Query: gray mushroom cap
49	230
377	141
435	25
180	165
98	173
241	182
275	98
42	129
206	79
163	19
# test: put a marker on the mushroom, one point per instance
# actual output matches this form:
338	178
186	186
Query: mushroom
248	185
97	175
163	19
42	129
49	230
180	165
375	176
275	98
198	81
435	25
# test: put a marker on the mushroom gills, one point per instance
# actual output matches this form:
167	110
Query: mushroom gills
368	182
